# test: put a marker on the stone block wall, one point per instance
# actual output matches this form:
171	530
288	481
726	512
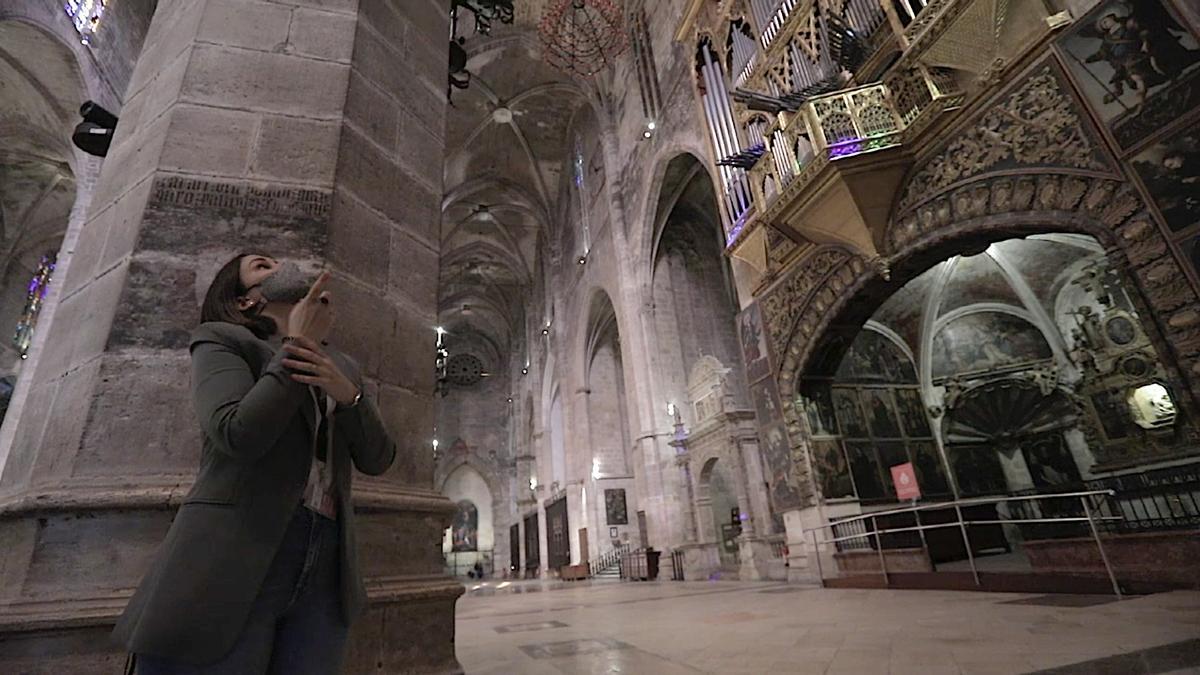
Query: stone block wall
246	126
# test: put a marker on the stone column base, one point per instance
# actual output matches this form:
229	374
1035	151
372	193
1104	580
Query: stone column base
755	556
384	640
803	567
700	561
71	558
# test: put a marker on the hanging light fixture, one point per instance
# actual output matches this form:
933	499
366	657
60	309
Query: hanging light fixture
582	37
484	11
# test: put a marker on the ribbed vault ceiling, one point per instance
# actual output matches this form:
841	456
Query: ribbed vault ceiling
40	92
507	147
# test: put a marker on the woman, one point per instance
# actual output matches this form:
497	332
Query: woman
258	573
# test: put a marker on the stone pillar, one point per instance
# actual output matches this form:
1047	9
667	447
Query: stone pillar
543	540
754	558
802	554
312	131
524	506
577	517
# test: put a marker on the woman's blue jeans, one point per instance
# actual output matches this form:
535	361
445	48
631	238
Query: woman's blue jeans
295	626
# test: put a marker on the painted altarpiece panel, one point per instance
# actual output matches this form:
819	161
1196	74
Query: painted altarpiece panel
1137	65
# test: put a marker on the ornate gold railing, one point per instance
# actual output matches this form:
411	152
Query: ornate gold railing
853	121
841	125
920	93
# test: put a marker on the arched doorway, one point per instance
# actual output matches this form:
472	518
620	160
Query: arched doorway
700	373
469	543
609	495
720	516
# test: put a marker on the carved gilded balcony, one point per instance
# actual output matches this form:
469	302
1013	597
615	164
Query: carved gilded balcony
830	169
797	144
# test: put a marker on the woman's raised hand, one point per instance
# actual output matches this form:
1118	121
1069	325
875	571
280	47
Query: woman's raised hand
314	367
312	317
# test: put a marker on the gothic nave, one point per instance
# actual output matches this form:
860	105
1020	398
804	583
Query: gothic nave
706	331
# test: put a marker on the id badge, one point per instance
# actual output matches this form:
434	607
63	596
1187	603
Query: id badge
317	498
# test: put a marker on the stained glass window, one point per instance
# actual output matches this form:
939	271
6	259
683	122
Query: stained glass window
578	163
86	15
34	297
580	174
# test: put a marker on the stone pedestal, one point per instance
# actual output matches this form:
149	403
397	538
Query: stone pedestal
802	555
754	556
311	131
700	561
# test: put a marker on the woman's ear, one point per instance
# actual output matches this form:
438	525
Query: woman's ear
245	303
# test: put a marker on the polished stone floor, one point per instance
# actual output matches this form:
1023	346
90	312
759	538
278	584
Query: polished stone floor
664	628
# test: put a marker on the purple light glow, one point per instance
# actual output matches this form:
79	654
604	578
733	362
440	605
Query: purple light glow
851	147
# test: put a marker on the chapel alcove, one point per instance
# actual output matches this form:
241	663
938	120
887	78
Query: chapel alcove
1022	368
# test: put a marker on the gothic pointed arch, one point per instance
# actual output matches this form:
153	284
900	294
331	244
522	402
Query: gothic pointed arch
1027	162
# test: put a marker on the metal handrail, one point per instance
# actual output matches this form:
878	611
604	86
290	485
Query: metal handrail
935	526
974	501
962	524
611	557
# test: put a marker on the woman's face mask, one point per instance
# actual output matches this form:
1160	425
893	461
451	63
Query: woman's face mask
287	285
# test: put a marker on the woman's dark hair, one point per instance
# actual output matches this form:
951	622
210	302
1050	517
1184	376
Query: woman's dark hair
221	301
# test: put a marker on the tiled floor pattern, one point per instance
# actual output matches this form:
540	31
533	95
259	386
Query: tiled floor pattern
1178	657
664	628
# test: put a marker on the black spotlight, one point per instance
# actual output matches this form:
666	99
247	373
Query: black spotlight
94	134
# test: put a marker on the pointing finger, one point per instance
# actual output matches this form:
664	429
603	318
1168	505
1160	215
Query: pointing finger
318	287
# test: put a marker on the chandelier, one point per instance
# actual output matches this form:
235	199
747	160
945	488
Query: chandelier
485	12
582	37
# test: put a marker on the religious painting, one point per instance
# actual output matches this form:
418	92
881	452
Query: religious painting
1113	412
1049	461
848	413
881	413
985	341
873	357
864	466
766	402
777	454
1170	170
912	412
833	472
754	343
817	404
1137	65
977	469
890	453
464	529
615	509
931	474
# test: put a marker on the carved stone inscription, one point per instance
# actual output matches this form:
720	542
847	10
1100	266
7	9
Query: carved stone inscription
199	193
